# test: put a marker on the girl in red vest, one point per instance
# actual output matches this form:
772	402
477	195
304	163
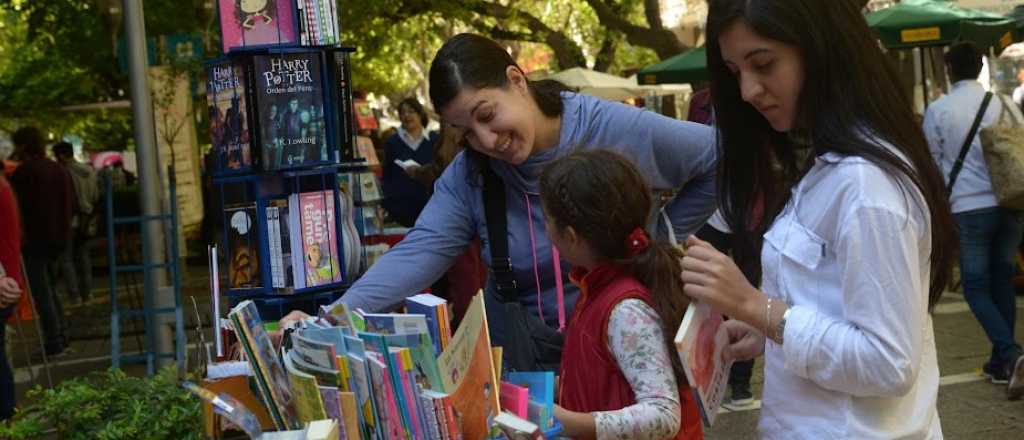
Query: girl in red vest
620	379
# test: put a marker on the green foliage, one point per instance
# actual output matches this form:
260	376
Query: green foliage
111	405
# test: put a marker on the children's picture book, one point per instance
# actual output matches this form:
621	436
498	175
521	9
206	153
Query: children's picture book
541	388
434	309
468	373
279	238
319	238
309	404
517	428
253	23
270	372
699	343
395	323
243	245
229	110
515	399
290	109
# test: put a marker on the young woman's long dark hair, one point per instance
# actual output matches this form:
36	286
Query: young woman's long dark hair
604	198
851	103
470	61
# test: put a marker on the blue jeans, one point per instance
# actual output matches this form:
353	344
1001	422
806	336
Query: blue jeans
988	248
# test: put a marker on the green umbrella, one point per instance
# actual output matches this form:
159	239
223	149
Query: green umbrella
688	67
919	23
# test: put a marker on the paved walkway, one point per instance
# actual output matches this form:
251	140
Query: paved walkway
969	406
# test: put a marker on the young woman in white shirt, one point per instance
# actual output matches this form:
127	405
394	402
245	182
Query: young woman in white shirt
858	238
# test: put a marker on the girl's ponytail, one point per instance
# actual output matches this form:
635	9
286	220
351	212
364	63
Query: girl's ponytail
658	267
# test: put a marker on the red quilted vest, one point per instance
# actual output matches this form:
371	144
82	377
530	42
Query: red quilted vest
591	379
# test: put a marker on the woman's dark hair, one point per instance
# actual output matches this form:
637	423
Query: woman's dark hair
415	105
29	142
851	103
470	61
604	198
964	61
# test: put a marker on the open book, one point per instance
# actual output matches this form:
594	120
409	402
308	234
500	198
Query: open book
699	342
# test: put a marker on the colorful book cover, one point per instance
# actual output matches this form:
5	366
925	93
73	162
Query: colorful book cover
331	398
402	361
376	344
395	323
541	388
699	343
279	238
243	253
290	109
308	404
384	392
248	23
515	399
265	362
319	238
318	353
426	371
349	413
323	376
228	108
431	307
467	370
363	388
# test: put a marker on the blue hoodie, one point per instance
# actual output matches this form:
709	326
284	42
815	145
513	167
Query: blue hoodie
671	154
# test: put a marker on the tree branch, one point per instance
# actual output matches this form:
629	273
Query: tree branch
567	53
663	41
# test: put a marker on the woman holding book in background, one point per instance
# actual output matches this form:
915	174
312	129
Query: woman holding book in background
514	127
620	377
858	238
404	196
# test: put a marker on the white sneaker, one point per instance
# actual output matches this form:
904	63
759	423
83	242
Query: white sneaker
1015	389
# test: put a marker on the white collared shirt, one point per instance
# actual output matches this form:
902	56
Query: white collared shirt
850	254
946	124
412	142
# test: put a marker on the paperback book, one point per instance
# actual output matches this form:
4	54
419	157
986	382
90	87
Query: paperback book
228	110
290	109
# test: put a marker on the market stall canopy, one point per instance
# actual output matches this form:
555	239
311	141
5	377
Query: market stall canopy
688	67
918	23
599	84
660	89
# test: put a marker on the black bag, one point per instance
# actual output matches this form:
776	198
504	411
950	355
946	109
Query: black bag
531	344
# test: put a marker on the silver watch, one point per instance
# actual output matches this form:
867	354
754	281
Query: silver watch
780	328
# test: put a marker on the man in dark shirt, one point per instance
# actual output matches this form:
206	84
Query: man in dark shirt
45	196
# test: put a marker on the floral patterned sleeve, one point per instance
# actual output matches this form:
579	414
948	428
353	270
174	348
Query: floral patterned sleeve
636	339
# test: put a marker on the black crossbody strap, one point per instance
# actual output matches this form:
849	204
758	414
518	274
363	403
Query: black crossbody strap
967	143
497	234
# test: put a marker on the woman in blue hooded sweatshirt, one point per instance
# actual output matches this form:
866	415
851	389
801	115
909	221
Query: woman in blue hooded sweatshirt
516	126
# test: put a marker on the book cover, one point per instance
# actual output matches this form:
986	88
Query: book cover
376	345
541	389
467	370
363	388
515	399
248	23
699	343
395	323
406	385
427	373
431	307
350	415
264	360
319	238
342	91
243	253
290	109
280	241
369	190
228	109
365	150
431	413
331	398
317	353
384	393
309	406
516	428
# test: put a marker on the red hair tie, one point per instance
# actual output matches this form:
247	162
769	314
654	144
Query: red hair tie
636	242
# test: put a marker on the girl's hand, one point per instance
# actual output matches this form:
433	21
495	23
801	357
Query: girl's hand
745	342
10	292
712	277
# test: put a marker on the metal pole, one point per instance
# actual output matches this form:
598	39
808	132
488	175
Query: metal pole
924	80
150	195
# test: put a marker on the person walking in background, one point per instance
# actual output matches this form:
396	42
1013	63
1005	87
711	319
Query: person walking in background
404	197
46	197
11	288
989	234
75	264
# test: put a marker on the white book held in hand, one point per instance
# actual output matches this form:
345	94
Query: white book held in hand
699	342
516	428
406	164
